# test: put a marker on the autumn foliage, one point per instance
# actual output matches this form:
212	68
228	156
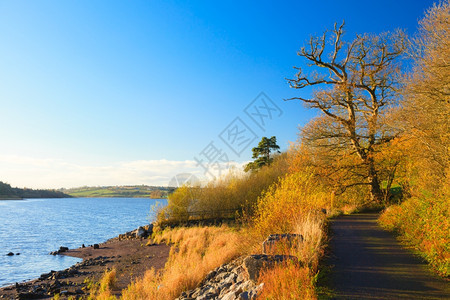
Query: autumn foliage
422	220
231	196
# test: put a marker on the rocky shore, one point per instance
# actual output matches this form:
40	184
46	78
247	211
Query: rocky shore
130	254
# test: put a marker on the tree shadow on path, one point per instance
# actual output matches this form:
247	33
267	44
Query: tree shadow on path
368	263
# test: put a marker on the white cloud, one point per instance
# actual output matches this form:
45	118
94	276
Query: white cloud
55	173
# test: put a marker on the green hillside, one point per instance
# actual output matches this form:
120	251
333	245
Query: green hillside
134	191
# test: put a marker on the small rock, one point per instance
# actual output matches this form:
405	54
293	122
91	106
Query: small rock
17	253
96	246
256	291
63	249
149	228
210	275
141	232
229	296
27	296
10	254
83	246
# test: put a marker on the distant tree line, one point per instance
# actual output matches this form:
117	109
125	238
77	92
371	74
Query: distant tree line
8	192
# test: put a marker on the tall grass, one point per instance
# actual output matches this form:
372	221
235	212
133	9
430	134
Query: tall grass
103	289
287	281
296	280
195	252
311	227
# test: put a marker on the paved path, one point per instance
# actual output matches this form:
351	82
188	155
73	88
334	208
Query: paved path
368	263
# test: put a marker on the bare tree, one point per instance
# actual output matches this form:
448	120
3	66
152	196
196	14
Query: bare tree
358	83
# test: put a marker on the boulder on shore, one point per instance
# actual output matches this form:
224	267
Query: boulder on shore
144	231
140	233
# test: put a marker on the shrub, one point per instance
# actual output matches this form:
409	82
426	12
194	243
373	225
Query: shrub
226	197
424	223
293	197
108	281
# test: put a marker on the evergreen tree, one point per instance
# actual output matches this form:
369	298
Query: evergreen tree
261	154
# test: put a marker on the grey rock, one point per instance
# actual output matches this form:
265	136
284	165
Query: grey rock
254	264
149	229
23	296
275	242
256	291
10	254
229	296
141	232
244	296
210	275
229	281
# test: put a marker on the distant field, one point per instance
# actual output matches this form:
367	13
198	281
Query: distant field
120	192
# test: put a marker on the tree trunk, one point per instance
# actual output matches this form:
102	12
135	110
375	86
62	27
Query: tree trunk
376	194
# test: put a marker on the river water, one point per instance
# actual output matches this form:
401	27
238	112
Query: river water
35	227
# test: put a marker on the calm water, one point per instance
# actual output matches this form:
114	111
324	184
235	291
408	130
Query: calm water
35	227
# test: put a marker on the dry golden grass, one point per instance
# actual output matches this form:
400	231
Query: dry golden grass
195	252
102	290
311	227
108	280
291	280
287	281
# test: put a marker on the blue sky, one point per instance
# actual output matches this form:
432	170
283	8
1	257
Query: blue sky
131	92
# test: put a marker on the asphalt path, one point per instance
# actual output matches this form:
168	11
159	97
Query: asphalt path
369	263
